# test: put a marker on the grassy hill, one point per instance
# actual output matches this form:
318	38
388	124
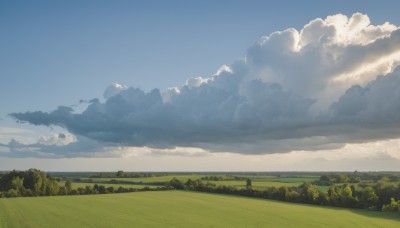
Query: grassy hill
178	209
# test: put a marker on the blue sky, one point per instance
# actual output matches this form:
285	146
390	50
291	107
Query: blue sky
57	53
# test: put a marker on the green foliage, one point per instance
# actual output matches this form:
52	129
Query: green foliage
28	183
176	184
102	189
394	206
310	193
248	183
368	198
120	173
34	182
68	186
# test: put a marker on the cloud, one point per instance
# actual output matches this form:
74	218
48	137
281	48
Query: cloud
326	57
60	146
113	90
57	139
376	103
312	89
69	146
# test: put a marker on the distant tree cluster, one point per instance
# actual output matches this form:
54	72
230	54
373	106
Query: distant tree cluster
355	177
212	178
34	182
383	197
337	178
122	174
28	183
238	178
114	181
101	189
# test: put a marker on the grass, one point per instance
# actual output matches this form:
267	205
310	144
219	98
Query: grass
179	209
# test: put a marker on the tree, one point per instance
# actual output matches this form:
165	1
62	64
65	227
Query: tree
120	173
394	206
88	190
34	180
311	193
176	184
347	192
52	187
333	196
248	183
324	178
18	185
283	193
102	189
68	186
368	198
110	189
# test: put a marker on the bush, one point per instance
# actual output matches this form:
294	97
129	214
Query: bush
392	207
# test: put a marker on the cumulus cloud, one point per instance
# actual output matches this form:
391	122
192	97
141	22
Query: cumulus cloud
312	89
326	56
376	103
113	90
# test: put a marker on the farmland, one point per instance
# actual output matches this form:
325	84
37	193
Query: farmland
178	209
259	182
82	185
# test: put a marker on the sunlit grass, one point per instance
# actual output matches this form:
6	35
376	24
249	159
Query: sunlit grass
178	209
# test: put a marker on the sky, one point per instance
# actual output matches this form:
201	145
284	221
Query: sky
200	85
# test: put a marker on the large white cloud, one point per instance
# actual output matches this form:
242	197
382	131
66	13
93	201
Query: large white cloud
312	89
327	56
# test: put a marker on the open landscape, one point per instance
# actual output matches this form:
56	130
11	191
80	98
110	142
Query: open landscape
199	113
199	199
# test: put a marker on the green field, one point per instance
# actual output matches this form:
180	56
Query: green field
259	185
158	179
76	185
178	209
259	182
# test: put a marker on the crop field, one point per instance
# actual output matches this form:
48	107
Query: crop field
178	209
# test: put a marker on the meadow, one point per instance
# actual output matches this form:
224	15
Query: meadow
179	209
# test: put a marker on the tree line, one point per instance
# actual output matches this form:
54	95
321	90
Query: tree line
122	174
382	197
34	182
